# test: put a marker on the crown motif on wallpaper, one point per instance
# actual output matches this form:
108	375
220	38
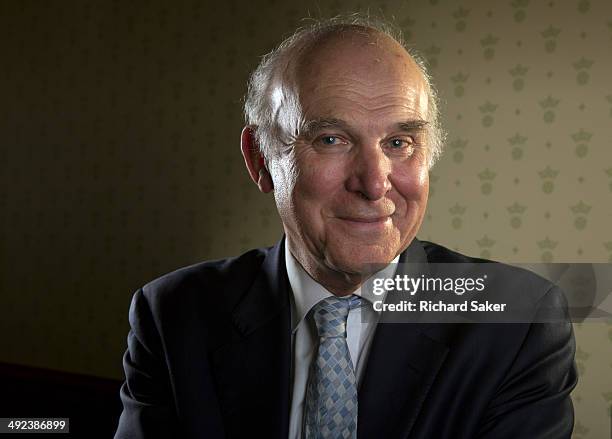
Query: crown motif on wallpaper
581	208
516	208
582	136
457	209
407	22
487	174
460	77
433	178
485	242
432	51
549	102
548	172
518	70
609	98
608	245
517	139
547	244
489	40
550	32
461	13
487	107
581	355
520	3
458	143
583	63
609	172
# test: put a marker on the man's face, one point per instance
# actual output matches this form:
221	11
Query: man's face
354	189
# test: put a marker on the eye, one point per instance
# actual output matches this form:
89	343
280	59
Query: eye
330	141
400	143
403	146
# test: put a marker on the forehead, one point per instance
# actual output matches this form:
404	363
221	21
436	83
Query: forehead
359	72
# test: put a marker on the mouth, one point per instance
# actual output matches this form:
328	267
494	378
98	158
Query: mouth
366	220
366	224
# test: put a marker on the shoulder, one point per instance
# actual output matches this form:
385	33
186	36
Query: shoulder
229	276
439	253
506	279
204	292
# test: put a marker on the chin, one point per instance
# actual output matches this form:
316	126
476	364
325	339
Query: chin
362	259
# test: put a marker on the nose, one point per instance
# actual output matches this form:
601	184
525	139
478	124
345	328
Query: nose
370	174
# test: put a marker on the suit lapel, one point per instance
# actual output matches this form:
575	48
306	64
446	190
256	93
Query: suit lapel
255	370
402	364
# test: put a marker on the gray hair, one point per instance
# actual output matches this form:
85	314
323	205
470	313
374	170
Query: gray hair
268	123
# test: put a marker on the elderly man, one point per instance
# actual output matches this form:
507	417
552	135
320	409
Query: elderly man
282	342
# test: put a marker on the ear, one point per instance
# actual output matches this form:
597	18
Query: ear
254	160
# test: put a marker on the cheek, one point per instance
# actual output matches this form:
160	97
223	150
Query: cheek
318	180
412	183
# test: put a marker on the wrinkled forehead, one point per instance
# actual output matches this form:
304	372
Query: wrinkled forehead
367	63
347	50
319	78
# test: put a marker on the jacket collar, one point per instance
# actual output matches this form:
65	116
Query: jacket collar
402	363
269	294
253	371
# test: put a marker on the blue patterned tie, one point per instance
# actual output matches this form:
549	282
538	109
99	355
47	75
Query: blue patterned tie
331	395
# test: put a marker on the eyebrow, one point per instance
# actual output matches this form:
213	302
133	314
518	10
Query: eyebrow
313	126
410	125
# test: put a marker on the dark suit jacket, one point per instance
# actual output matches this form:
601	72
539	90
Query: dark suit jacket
209	356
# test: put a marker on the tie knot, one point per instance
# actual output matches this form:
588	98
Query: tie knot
330	315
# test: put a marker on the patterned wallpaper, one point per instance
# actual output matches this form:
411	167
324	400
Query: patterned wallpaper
120	159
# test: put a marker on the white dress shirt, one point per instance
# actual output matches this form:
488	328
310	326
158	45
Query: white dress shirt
360	327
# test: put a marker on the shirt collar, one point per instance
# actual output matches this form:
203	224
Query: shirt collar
307	292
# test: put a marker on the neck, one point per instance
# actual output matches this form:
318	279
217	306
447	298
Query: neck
338	282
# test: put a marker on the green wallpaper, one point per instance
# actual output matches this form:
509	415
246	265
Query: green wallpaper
119	157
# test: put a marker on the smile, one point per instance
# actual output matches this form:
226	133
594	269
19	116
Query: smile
367	220
367	224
